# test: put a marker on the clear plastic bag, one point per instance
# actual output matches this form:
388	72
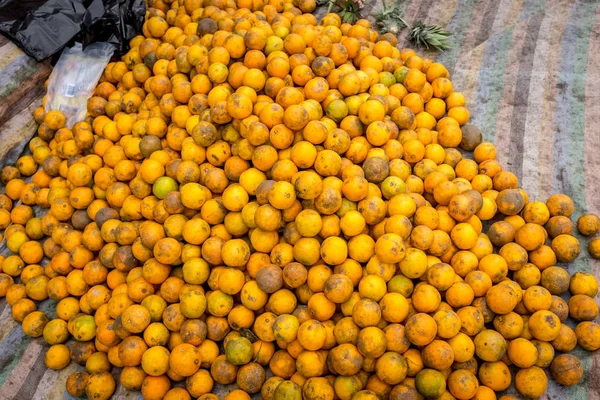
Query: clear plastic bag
74	78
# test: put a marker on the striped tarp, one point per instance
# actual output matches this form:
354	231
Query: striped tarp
530	70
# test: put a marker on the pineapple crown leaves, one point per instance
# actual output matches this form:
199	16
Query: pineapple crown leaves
430	36
348	10
389	19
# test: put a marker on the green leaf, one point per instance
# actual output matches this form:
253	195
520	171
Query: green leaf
331	5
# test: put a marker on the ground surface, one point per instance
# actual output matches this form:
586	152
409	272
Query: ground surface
530	70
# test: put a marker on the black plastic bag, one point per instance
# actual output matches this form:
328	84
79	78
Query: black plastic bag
43	27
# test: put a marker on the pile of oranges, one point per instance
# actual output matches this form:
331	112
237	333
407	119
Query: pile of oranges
254	194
